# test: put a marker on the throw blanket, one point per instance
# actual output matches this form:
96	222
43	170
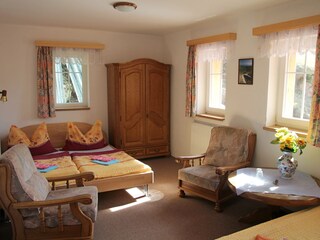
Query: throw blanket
63	162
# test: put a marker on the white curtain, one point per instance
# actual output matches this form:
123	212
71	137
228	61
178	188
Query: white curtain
279	44
75	72
59	84
214	51
86	56
74	59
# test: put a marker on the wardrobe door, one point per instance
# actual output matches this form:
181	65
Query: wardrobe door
132	105
157	105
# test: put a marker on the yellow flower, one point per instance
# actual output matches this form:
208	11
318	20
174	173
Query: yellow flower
280	132
289	140
282	146
302	143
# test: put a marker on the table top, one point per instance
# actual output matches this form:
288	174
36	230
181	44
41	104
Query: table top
274	190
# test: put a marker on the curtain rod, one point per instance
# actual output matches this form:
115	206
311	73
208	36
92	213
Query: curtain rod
62	44
288	25
214	38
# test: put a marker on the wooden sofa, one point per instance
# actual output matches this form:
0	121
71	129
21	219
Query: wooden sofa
57	133
304	224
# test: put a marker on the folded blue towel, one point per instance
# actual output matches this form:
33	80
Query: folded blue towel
106	163
47	169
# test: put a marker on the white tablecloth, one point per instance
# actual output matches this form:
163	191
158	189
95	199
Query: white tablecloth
302	184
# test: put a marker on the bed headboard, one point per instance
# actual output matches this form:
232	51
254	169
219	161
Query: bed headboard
57	133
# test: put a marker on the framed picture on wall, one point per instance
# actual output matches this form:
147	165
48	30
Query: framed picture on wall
245	75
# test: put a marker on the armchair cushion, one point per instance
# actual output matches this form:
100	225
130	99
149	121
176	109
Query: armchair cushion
227	146
51	213
204	176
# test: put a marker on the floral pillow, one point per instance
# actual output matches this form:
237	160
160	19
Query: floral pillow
38	144
76	140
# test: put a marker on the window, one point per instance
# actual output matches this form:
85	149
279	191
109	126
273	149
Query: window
216	87
291	73
211	87
296	89
70	80
211	78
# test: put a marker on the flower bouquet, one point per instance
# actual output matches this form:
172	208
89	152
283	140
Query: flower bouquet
289	140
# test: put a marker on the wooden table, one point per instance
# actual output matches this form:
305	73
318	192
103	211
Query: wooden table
274	201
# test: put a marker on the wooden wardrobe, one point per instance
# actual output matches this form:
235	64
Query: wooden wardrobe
139	107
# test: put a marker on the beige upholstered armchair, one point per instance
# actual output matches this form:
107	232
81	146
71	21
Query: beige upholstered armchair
37	212
206	175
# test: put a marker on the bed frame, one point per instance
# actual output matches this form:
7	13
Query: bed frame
57	133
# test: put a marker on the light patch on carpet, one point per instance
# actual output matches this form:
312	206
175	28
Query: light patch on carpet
154	195
135	192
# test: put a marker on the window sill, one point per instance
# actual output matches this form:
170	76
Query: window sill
210	117
299	132
72	109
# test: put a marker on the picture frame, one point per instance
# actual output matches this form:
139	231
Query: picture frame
245	72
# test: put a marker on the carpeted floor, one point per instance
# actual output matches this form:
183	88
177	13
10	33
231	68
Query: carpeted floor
166	215
163	215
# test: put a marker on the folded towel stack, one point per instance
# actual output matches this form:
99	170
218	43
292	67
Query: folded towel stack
104	160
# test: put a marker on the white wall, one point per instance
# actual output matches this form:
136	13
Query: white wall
18	70
246	104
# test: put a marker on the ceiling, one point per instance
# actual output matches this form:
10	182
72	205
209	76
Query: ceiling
151	16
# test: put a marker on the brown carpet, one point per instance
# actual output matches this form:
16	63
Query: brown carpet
169	217
164	215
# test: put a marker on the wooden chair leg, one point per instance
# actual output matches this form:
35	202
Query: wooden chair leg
217	207
182	194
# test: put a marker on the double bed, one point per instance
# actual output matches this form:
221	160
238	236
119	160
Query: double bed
127	172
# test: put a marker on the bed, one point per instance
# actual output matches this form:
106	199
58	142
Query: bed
126	173
304	224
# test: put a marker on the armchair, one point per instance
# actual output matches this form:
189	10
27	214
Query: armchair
206	174
36	211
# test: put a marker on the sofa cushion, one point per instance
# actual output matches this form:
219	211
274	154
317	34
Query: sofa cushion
26	183
51	213
31	185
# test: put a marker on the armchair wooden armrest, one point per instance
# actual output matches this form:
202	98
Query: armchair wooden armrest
226	169
84	199
88	176
188	161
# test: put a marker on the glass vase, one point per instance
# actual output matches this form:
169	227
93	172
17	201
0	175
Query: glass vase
287	165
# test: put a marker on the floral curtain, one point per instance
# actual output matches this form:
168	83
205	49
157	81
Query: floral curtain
191	83
314	124
46	107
